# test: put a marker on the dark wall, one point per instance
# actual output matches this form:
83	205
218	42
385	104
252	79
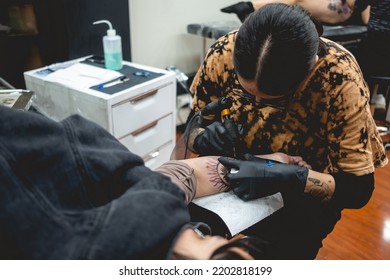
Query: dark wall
84	37
65	31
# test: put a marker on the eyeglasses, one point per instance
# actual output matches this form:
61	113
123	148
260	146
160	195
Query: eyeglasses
254	246
277	103
200	229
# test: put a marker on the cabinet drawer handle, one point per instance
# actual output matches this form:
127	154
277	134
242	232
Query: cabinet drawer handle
142	129
151	155
143	96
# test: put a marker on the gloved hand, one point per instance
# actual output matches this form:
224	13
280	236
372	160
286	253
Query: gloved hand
255	177
218	139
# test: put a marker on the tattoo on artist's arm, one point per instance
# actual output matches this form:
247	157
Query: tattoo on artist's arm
342	9
332	5
319	189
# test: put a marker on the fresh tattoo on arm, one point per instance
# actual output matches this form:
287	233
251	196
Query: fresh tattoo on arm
217	174
319	189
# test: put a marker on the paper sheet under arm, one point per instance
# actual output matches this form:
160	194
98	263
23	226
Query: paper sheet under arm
237	214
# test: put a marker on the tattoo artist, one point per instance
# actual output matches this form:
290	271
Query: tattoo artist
294	92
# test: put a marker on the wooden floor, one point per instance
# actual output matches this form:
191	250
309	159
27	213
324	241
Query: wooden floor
363	234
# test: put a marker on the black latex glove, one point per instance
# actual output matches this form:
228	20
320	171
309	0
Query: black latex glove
218	139
256	177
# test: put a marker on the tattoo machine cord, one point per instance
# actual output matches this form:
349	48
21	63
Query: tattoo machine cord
197	119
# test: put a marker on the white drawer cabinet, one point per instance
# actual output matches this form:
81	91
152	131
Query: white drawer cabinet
141	117
148	107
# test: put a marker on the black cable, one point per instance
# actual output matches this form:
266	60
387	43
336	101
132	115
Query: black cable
210	109
188	129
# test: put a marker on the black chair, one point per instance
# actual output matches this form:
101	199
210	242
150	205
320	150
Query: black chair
380	85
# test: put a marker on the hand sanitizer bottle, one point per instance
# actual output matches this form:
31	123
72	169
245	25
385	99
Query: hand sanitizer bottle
112	45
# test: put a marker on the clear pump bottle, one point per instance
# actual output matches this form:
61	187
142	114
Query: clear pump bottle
112	45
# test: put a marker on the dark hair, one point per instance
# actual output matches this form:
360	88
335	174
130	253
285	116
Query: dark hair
258	248
276	47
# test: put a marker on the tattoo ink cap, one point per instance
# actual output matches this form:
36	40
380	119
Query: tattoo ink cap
112	45
225	114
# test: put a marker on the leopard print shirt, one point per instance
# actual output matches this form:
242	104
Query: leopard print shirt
327	121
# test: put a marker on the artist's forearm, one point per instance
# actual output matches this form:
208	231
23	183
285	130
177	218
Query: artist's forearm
284	158
366	15
191	138
257	4
320	185
328	11
343	190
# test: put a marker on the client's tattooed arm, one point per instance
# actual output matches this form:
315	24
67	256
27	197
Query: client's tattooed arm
204	176
216	174
210	175
197	177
